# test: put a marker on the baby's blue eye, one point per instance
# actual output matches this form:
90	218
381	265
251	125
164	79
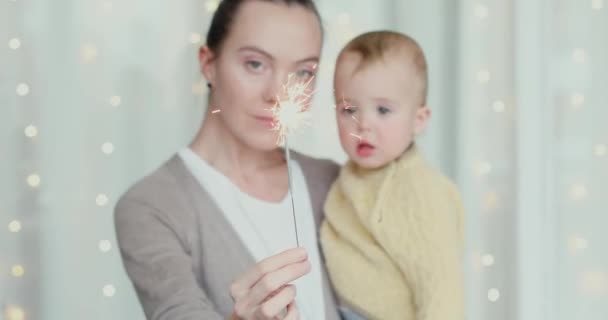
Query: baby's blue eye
383	110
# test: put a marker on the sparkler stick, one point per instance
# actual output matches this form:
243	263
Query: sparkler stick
290	183
289	114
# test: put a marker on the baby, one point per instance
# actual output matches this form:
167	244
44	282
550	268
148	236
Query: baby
393	232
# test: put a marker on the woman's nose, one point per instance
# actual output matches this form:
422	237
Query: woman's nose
274	89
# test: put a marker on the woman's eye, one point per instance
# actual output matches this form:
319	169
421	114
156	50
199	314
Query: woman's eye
254	65
305	74
383	110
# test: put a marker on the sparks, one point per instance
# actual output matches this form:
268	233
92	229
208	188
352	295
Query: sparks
216	111
356	136
290	112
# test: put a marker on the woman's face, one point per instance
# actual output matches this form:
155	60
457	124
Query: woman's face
266	43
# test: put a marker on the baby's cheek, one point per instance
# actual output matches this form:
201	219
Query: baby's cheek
346	139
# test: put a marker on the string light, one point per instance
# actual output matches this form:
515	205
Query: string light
88	53
594	283
23	89
600	150
17	271
31	131
115	101
483	76
14	226
577	100
487	260
498	106
101	200
481	11
33	180
195	38
493	295
597	4
14	313
211	5
579	55
578	191
576	244
107	148
483	168
108	290
14	43
105	246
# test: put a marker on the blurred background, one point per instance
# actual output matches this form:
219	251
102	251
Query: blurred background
95	94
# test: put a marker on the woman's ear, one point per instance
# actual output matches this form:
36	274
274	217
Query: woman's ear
423	114
206	60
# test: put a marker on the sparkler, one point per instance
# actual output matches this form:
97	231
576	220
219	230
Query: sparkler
290	113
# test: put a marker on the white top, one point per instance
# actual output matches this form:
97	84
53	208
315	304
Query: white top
267	228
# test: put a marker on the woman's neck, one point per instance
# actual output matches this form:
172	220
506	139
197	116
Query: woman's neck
230	155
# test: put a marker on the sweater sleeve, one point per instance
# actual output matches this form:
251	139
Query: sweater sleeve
421	229
159	265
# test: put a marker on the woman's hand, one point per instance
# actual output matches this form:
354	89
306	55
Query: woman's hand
264	292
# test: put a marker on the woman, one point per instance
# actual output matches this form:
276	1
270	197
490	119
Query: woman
191	233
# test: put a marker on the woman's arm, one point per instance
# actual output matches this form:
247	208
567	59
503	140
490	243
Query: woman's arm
158	264
161	271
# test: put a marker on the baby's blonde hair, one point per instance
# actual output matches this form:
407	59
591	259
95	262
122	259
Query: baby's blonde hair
376	45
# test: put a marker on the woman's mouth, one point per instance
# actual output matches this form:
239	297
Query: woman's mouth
267	122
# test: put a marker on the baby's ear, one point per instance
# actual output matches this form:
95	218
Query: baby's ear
423	115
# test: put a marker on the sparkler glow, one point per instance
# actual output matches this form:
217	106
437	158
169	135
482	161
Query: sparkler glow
290	113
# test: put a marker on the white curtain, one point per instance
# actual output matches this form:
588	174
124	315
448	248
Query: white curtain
95	94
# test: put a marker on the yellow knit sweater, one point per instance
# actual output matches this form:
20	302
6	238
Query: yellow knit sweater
393	239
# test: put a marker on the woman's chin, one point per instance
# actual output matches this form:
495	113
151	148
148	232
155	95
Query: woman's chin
263	141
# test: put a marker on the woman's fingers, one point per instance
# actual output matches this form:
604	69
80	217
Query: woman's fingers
276	279
292	312
275	306
240	288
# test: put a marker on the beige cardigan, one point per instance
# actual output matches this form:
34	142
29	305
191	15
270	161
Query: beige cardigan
179	250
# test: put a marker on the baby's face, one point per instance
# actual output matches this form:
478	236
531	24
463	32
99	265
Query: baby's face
377	108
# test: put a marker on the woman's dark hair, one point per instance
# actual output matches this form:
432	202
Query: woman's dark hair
227	10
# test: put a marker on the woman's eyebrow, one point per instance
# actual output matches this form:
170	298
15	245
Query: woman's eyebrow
258	50
309	59
314	59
